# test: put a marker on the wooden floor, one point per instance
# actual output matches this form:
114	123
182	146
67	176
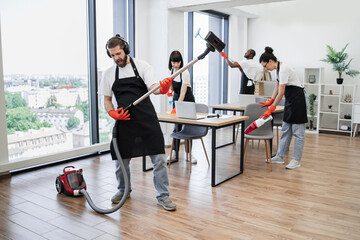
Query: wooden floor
319	200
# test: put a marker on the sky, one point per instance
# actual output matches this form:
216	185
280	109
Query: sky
38	41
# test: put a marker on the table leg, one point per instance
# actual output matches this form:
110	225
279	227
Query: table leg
242	147
213	156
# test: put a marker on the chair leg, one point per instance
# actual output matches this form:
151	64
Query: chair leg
172	145
258	144
237	133
246	149
266	150
189	150
356	129
205	151
267	145
186	149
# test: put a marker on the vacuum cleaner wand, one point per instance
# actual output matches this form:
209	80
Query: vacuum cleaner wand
213	42
257	123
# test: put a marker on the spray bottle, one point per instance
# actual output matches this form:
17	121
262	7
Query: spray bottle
257	123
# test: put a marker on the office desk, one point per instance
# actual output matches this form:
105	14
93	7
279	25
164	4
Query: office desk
214	124
236	107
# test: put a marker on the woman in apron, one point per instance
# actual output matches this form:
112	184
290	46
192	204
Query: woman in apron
181	92
139	133
288	85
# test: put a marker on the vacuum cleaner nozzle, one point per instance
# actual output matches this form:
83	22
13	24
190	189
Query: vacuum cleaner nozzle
214	41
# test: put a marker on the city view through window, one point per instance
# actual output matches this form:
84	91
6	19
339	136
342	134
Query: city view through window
45	72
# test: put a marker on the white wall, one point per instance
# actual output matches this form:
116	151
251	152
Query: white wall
237	48
298	31
158	32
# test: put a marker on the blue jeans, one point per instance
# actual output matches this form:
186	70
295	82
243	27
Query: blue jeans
161	181
288	131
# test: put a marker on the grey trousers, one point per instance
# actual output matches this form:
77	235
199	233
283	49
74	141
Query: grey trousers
288	131
160	179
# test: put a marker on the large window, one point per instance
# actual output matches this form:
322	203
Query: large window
209	75
113	17
48	50
45	76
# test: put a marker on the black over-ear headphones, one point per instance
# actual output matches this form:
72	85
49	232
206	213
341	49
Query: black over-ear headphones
126	45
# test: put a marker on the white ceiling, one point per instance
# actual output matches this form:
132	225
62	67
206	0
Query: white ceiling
225	5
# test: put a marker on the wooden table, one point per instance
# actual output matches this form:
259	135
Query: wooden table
214	124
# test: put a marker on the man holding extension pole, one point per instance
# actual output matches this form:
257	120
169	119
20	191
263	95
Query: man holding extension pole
139	132
248	68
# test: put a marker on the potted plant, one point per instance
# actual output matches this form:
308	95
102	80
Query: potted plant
330	107
338	60
312	98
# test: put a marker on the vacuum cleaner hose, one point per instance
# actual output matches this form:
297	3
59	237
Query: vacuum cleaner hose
127	181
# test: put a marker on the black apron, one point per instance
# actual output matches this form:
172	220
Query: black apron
141	135
295	104
244	88
189	97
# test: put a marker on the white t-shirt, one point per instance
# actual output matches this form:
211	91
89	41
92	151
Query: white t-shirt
185	77
250	68
146	72
288	76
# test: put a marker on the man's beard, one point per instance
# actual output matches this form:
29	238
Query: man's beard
123	61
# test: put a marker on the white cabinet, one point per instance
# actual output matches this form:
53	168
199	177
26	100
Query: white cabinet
356	118
336	107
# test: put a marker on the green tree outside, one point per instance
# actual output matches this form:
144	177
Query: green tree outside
84	107
72	123
14	100
22	119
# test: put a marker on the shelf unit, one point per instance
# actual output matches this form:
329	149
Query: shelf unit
312	80
333	108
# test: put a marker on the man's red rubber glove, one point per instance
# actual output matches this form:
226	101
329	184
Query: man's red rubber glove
119	114
268	103
224	55
165	85
268	112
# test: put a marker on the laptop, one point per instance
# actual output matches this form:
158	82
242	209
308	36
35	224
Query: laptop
246	99
186	110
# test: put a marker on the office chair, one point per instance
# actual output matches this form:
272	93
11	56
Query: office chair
190	132
265	132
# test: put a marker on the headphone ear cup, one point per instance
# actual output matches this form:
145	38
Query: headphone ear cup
108	53
126	48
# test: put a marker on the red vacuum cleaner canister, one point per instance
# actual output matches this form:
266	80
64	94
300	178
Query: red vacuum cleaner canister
70	182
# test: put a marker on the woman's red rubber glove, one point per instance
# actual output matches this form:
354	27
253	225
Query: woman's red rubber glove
119	114
224	55
268	103
268	112
170	93
165	85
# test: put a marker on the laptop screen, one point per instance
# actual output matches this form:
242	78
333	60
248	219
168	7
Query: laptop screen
185	109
